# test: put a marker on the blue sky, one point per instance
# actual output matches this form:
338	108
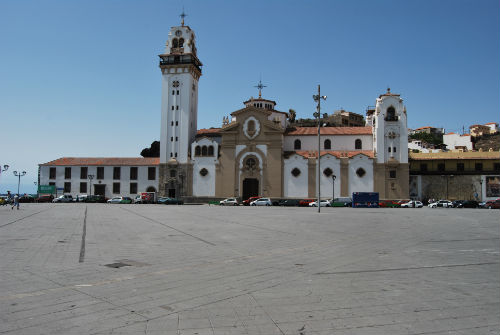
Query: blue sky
81	78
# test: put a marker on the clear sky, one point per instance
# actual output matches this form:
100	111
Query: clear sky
81	78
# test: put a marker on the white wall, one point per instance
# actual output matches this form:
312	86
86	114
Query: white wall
204	186
295	187
360	184
332	162
457	140
142	179
339	142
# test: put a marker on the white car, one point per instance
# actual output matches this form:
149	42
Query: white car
63	198
138	199
262	202
115	200
80	198
409	204
229	202
322	203
441	203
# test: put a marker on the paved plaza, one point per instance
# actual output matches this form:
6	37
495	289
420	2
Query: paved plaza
153	269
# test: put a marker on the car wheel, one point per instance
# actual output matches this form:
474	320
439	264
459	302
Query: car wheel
268	205
221	204
489	207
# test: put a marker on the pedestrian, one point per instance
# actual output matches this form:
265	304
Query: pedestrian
9	197
16	202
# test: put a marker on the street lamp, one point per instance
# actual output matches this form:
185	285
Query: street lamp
90	177
318	98
5	168
19	175
36	187
333	190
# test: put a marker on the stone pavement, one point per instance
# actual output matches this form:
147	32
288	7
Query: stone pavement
153	269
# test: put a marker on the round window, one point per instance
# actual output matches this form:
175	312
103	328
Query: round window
360	172
203	172
295	172
327	172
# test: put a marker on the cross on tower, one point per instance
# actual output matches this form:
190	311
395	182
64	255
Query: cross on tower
183	15
260	86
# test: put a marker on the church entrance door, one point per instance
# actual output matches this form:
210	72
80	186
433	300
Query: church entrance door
171	192
250	188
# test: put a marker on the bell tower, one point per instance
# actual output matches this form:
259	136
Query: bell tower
181	70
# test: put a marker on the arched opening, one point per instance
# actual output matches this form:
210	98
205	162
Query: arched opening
175	43
181	43
328	144
151	189
358	144
197	150
297	145
210	150
250	188
391	114
204	150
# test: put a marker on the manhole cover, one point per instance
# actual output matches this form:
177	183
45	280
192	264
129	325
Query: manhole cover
116	265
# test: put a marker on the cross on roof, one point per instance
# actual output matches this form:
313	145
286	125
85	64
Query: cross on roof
260	86
183	15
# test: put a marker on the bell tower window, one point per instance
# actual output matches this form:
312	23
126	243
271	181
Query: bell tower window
328	145
175	43
391	114
181	43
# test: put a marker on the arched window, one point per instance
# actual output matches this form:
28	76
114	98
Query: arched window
175	43
358	144
197	150
204	150
297	145
328	144
391	114
210	150
181	43
251	125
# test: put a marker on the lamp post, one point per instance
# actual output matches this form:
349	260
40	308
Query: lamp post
318	98
480	188
5	168
333	189
36	183
90	177
19	175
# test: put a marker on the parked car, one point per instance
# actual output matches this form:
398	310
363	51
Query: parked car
3	200
493	204
482	204
288	202
322	203
412	204
96	198
63	198
80	198
262	202
26	198
169	201
305	202
457	203
138	199
441	203
390	203
45	198
469	204
229	202
249	200
341	202
120	200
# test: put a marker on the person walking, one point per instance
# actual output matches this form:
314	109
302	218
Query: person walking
16	202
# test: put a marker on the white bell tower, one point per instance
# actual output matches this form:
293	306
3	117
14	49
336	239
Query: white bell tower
181	70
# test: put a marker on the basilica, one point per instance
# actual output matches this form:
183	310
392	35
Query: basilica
257	151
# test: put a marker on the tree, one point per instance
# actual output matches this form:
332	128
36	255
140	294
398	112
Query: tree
153	151
292	115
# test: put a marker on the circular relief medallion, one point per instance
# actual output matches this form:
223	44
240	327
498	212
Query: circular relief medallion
251	127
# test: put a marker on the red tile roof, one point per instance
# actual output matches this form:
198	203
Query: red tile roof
331	131
115	161
207	131
490	123
426	127
337	154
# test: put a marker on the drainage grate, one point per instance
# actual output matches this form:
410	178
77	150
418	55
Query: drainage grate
116	265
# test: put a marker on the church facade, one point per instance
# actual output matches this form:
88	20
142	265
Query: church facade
256	152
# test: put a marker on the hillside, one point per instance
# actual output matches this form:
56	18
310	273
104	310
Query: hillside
487	142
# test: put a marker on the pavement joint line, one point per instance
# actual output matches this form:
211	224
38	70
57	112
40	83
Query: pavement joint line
269	316
165	225
25	217
407	268
84	233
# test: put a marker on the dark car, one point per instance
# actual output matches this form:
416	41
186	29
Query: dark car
96	198
26	198
492	204
288	202
469	204
45	198
305	202
341	202
249	200
457	203
169	201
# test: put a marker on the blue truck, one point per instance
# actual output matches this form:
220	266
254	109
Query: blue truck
365	199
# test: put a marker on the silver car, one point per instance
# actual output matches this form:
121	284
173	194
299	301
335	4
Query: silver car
229	202
262	202
63	198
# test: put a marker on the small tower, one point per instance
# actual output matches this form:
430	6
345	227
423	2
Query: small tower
390	141
181	70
